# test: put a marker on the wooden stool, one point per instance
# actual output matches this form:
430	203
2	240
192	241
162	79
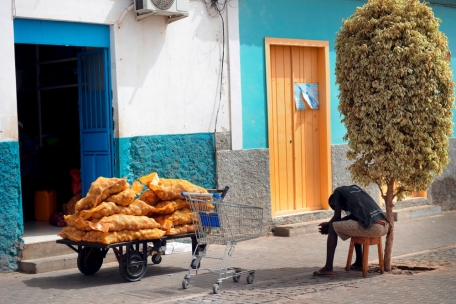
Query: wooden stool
366	242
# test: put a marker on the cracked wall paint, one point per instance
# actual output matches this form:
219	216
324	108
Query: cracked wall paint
11	242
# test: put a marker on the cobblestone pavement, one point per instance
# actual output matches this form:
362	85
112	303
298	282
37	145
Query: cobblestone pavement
283	267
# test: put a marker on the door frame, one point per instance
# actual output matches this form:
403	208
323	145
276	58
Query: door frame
324	121
62	33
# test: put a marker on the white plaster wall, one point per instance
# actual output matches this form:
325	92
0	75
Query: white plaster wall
166	77
8	104
90	11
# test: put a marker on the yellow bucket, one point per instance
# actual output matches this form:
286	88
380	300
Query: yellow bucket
45	204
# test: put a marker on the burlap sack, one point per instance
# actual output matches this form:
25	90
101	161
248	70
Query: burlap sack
72	233
123	198
150	197
182	229
117	222
122	236
108	208
178	217
169	189
99	191
168	207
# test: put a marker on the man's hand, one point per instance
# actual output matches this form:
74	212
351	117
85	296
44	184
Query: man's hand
324	227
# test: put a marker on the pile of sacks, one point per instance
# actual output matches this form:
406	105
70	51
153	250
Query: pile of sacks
112	213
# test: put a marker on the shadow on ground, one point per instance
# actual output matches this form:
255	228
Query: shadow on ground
105	276
265	278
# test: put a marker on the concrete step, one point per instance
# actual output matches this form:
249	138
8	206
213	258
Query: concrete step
44	250
306	227
416	212
297	228
316	215
59	262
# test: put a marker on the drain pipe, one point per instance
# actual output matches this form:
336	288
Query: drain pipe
123	15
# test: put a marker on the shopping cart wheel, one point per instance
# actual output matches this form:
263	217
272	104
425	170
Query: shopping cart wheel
185	284
216	288
236	278
195	264
250	278
156	258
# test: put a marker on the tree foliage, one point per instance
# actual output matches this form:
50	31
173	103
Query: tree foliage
396	94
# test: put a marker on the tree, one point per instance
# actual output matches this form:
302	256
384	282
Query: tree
396	97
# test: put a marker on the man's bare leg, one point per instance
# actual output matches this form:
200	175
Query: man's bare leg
359	257
331	245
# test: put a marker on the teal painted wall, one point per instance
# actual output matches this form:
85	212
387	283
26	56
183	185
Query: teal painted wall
189	157
296	19
448	26
12	229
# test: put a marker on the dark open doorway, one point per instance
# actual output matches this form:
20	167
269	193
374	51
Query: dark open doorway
47	105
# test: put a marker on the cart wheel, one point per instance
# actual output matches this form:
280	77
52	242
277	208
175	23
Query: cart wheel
236	278
194	265
90	264
185	284
216	288
156	258
250	278
136	271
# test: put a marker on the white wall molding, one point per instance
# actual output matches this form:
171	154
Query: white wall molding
8	104
235	75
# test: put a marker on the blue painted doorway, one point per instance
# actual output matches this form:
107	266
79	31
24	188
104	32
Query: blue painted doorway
64	87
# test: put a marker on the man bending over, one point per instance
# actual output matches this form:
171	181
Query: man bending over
364	219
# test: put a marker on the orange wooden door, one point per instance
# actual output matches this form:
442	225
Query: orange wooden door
294	135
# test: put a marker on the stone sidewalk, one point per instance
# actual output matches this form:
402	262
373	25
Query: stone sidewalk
283	267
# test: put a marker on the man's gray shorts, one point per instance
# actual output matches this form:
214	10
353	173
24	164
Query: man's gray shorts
351	228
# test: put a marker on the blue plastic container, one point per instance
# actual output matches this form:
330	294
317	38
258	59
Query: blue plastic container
209	219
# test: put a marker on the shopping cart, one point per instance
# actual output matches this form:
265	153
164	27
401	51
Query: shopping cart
223	223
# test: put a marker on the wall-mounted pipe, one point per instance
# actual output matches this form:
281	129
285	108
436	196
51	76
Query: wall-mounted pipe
123	15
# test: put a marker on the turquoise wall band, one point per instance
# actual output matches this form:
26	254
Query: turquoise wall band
11	219
33	31
448	26
189	157
297	19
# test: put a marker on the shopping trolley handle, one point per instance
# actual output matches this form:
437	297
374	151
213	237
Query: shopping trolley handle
214	195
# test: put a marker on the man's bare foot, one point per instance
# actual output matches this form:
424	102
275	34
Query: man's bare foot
323	272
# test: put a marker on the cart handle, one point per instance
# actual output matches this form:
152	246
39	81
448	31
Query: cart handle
225	191
214	195
222	192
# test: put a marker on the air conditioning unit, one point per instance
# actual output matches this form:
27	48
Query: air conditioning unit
173	9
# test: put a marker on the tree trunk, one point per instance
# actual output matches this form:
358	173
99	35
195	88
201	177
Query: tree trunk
390	235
